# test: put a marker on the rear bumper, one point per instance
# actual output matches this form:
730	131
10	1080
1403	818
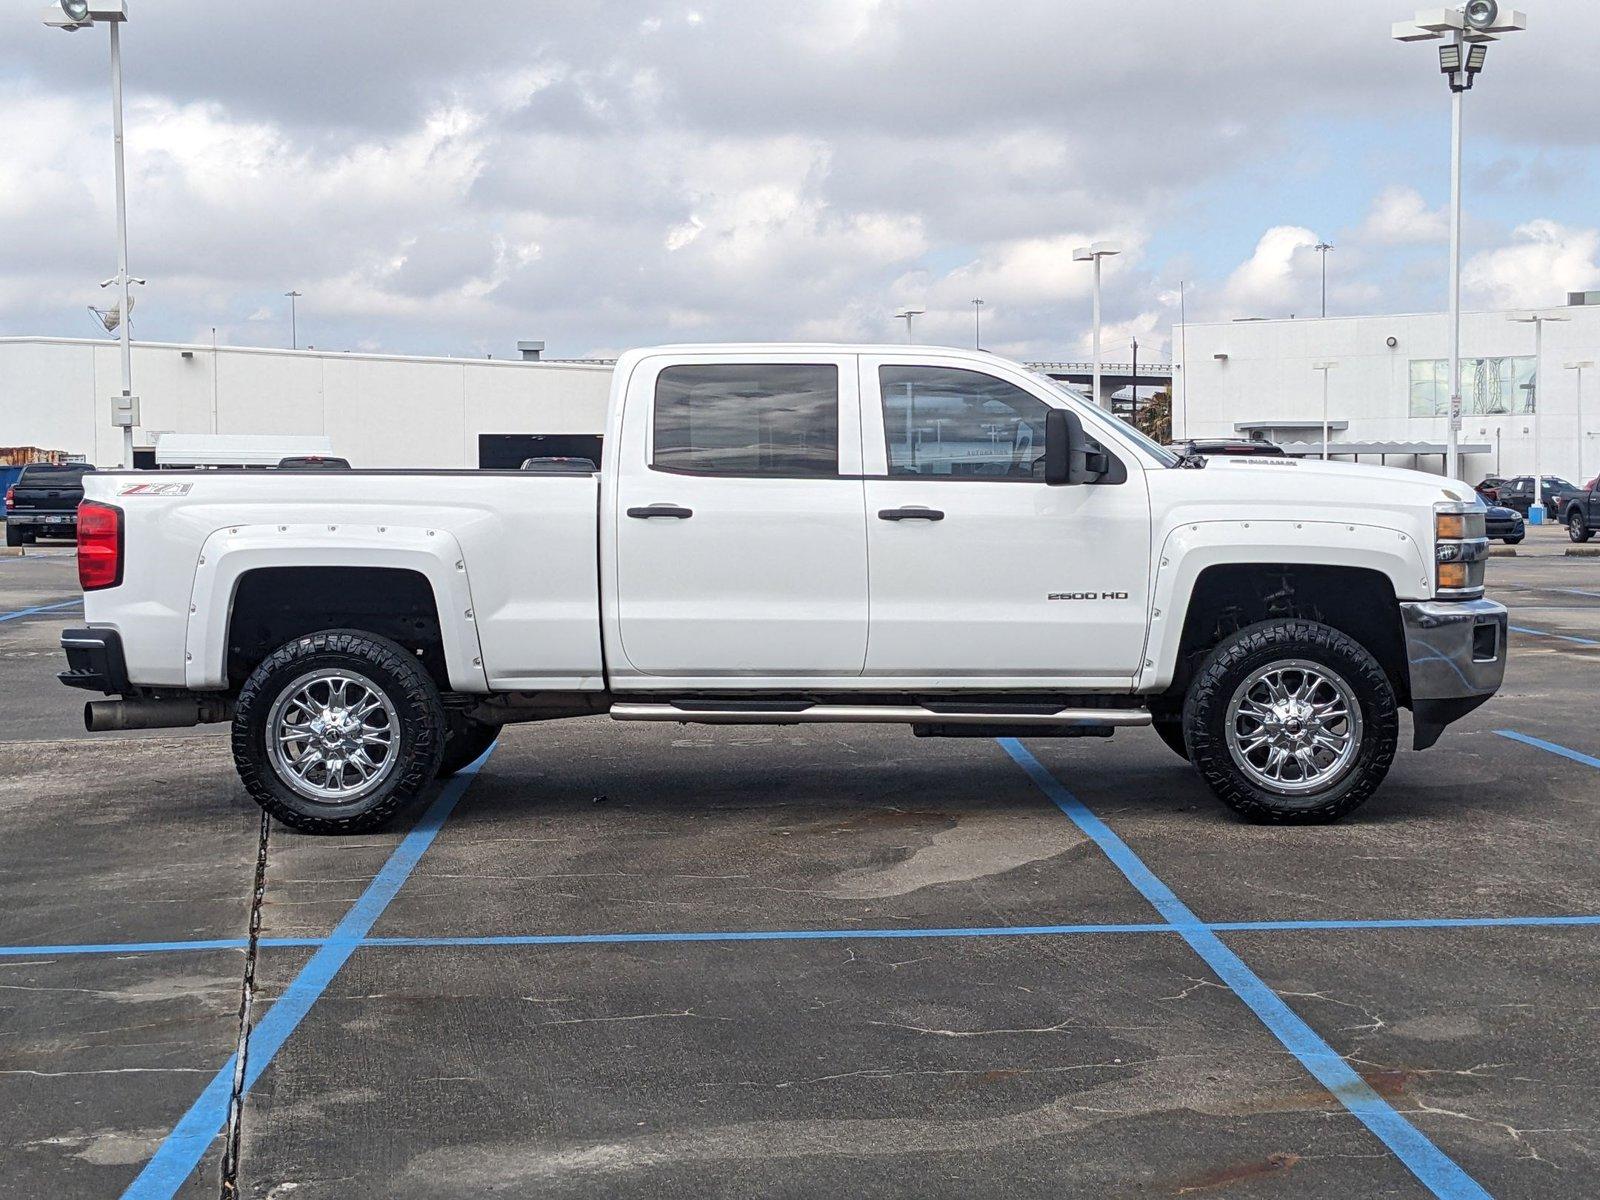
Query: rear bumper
94	661
43	519
1456	651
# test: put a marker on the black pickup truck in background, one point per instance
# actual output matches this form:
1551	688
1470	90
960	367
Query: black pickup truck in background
44	502
1579	510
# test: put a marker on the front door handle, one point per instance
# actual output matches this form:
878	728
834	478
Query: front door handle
662	510
911	512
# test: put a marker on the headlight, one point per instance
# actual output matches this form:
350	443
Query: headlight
1459	549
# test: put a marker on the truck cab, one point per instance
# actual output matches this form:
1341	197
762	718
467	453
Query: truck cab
791	534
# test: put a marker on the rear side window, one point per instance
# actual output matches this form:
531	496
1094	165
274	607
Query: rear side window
748	419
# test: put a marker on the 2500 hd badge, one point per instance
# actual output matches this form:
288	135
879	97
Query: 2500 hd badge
1087	596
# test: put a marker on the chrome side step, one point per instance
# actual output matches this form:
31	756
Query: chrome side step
798	713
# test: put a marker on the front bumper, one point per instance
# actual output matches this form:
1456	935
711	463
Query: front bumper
94	661
1456	651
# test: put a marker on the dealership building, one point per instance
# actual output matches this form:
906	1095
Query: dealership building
1388	388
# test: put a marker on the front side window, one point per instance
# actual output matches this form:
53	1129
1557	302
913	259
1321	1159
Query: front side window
943	422
748	419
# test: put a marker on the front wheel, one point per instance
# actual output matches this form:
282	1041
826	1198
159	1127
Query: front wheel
1291	721
1578	528
336	731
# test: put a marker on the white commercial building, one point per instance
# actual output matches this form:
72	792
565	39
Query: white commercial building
1388	390
376	410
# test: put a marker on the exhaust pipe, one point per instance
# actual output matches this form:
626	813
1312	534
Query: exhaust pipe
110	716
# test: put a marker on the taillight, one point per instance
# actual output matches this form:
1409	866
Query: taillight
99	546
11	498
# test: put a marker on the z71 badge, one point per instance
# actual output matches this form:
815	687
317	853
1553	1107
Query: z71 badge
154	489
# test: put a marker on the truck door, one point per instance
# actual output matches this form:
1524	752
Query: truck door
979	570
740	519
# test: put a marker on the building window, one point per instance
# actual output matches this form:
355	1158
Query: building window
1488	386
748	419
941	422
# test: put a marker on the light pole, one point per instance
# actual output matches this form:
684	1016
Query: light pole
905	314
1537	320
1135	374
81	14
1094	253
1324	367
294	332
1322	248
1468	29
977	324
1580	366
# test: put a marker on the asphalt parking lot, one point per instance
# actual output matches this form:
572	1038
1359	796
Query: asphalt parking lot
655	961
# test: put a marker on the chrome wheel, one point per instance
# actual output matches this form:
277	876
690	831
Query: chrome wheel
333	736
1294	727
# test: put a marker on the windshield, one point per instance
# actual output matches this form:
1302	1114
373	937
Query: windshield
1151	447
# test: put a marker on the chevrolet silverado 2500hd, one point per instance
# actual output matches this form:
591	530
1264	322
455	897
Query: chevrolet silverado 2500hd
784	534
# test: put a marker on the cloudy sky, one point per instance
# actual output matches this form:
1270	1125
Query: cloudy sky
610	174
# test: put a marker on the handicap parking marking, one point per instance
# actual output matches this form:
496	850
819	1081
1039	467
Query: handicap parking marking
180	1153
39	608
1552	747
1436	1170
1564	637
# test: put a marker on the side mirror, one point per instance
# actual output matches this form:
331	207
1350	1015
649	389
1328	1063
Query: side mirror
1069	456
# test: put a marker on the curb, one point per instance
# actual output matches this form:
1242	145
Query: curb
1502	552
1582	552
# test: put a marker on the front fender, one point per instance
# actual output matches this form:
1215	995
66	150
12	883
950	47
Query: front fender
228	554
1190	548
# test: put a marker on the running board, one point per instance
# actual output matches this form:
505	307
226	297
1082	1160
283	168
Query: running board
799	712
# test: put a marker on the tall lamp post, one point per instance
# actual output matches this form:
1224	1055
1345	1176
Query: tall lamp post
1324	367
905	314
1322	248
977	324
73	15
1580	366
294	330
1094	253
1466	29
1135	389
1538	321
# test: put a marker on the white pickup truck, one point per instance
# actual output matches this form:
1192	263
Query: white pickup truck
785	534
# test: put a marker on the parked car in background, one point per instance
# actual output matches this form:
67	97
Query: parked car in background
1517	493
1504	524
1490	487
313	462
44	502
1242	446
1579	511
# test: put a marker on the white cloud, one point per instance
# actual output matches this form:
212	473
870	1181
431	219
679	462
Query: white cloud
1400	215
1273	278
1543	263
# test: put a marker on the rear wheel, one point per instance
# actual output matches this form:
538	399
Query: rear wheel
464	742
336	731
1578	527
14	535
1291	721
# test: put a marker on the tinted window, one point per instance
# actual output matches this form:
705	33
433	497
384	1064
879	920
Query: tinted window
941	421
46	475
748	419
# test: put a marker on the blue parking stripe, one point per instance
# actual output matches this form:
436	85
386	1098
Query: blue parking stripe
1552	747
1436	1170
1564	637
177	1156
39	608
814	935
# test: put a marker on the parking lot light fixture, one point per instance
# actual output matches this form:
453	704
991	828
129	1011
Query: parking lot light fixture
1536	513
1322	248
1324	367
1466	30
1094	252
906	315
1582	365
81	14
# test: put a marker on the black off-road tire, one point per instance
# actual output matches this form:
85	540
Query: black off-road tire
406	685
1205	714
14	535
1170	731
464	740
1578	527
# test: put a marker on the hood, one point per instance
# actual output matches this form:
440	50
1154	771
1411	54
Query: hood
1360	478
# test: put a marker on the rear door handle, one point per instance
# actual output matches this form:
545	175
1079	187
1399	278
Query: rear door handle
911	512
662	510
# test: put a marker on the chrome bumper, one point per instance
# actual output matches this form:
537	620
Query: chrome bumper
1456	652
